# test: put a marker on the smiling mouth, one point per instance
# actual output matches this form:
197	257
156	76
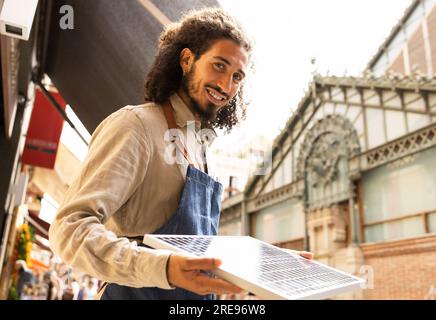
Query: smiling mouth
215	97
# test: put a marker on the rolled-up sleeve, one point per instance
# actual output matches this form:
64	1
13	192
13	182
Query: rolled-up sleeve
116	164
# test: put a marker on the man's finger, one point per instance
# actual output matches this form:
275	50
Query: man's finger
202	263
306	254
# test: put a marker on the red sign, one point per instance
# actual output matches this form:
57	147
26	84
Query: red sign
44	132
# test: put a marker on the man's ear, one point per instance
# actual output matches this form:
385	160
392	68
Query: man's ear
186	59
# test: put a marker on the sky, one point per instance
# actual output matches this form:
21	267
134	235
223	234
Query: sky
342	36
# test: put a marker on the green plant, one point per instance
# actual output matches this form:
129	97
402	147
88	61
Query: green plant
23	245
13	294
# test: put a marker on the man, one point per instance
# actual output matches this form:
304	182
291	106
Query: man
24	276
146	169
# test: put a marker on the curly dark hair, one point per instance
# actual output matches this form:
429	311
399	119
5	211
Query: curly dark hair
197	30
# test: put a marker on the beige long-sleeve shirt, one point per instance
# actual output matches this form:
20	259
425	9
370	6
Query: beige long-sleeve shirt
127	188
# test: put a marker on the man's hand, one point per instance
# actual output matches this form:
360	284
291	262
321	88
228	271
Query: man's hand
305	254
185	272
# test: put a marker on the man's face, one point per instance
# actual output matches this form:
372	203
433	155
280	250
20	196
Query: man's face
215	78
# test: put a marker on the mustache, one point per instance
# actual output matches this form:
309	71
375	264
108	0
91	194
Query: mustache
219	91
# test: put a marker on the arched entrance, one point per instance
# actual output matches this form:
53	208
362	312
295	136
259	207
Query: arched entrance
328	189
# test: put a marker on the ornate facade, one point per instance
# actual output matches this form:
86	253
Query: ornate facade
353	178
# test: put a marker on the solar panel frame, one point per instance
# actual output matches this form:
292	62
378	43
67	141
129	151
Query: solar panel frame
263	290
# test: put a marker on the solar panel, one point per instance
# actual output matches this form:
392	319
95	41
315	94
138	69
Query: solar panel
261	268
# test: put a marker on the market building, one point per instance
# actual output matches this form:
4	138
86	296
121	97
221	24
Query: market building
352	176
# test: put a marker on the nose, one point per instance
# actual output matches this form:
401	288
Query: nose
225	83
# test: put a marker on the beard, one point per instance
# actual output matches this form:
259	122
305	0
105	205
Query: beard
192	89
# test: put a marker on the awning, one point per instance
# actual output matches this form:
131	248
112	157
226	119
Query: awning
100	65
41	227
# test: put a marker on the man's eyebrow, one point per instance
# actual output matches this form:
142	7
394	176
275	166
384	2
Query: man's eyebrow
228	63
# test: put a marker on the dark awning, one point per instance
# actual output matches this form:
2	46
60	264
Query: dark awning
100	65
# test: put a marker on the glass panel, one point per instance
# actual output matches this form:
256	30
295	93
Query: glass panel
413	101
358	126
319	113
417	14
401	229
400	188
393	52
337	94
278	177
340	108
429	5
353	96
379	69
362	142
411	28
381	65
269	187
432	101
371	97
352	113
328	108
398	40
374	120
287	168
374	233
432	222
396	124
280	222
391	99
416	121
404	228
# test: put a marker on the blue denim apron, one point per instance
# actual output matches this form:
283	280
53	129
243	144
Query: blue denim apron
197	214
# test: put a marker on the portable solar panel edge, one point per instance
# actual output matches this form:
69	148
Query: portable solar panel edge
287	275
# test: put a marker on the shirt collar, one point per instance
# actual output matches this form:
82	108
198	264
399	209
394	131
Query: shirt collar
182	113
184	116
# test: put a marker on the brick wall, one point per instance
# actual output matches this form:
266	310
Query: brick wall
417	51
404	269
398	64
431	26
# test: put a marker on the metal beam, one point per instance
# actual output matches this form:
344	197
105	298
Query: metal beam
61	111
374	106
155	12
303	127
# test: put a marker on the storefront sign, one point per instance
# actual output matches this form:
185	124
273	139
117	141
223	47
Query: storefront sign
44	132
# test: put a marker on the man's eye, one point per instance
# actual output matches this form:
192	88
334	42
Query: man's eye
219	66
237	77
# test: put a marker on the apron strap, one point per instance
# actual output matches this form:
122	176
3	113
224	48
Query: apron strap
169	116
